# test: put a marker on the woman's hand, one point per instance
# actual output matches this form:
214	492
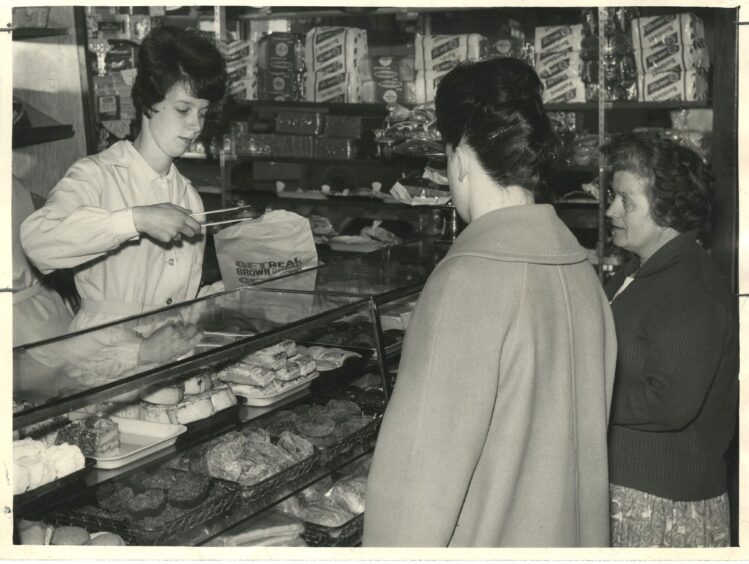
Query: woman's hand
165	222
168	342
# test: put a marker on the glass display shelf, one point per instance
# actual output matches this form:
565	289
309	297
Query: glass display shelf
61	375
385	275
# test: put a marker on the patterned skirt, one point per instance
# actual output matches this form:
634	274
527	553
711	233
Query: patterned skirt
639	519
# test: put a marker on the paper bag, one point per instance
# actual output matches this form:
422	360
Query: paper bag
272	245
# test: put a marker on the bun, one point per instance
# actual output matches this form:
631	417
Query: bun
194	408
70	536
164	395
222	397
107	539
31	532
197	384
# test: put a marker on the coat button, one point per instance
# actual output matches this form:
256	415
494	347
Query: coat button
171	262
169	301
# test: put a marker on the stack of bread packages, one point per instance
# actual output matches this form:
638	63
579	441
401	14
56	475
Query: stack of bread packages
437	54
280	66
559	63
241	63
671	57
337	65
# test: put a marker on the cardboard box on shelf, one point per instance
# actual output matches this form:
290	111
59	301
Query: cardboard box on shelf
556	38
443	52
281	52
670	29
393	79
343	87
661	58
425	85
333	50
687	86
566	63
279	85
343	126
570	90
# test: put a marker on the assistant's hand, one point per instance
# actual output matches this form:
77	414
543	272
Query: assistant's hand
168	342
165	222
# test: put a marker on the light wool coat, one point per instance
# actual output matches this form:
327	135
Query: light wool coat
496	432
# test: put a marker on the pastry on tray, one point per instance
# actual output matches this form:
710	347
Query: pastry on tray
164	394
150	502
314	425
248	374
189	491
298	447
95	436
326	514
349	493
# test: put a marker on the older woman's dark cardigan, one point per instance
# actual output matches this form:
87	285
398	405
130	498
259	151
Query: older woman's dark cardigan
676	388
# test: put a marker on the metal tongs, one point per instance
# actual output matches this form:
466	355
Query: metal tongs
224	210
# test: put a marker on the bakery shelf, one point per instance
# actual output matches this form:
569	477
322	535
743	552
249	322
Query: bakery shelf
26	33
372	110
56	386
310	160
629	105
43	129
343	12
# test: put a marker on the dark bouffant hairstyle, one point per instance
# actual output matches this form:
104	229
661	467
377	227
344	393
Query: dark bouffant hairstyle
679	184
495	107
169	55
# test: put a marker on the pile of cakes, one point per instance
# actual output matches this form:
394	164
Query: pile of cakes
247	456
148	500
177	402
322	425
95	436
36	463
270	371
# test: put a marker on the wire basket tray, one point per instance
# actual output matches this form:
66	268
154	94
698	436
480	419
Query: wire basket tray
150	532
320	535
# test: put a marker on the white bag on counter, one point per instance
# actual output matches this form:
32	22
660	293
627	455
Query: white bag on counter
277	243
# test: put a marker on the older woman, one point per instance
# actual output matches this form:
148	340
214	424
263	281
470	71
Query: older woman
675	396
496	431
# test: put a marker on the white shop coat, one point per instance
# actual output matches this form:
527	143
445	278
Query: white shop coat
87	224
38	311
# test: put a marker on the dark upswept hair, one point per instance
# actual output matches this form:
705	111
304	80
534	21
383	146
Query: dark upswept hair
169	55
678	182
495	106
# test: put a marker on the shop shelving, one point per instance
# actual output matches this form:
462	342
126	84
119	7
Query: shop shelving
27	33
43	129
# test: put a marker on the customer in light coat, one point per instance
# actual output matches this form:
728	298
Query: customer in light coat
496	432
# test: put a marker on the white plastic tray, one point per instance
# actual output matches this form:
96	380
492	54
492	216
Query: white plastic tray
253	399
138	439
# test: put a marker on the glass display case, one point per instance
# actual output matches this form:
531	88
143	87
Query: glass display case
126	372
